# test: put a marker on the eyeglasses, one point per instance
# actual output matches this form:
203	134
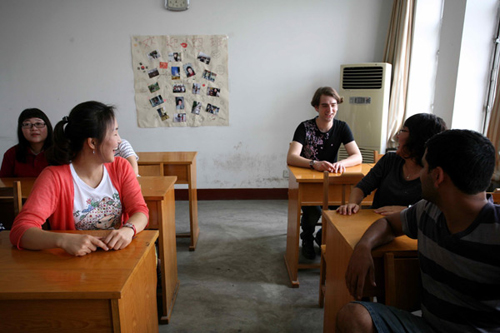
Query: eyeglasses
30	125
402	131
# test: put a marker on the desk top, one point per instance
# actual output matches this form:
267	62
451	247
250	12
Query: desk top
55	274
352	228
170	157
309	175
155	187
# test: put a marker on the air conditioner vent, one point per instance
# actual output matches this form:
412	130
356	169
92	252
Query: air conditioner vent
362	77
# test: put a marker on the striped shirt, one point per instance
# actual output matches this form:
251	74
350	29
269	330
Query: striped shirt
460	272
125	150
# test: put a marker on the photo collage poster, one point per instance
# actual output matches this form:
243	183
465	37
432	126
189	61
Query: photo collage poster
181	80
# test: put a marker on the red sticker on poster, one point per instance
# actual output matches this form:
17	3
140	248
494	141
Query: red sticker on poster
163	64
184	45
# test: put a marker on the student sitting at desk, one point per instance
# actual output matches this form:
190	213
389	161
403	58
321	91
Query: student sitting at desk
315	145
126	151
396	176
27	158
87	188
457	227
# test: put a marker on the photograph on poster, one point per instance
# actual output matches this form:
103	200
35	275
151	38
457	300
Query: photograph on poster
204	58
163	65
179	103
179	88
213	91
175	56
154	55
154	87
196	88
188	68
153	72
161	112
157	100
179	118
196	107
176	74
212	109
210	76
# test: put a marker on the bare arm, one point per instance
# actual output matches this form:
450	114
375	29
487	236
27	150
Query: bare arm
361	264
355	157
74	244
133	161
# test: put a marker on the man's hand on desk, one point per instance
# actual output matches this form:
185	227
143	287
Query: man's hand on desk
336	167
360	265
388	210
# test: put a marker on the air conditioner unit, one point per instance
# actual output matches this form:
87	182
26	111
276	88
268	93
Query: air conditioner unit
365	88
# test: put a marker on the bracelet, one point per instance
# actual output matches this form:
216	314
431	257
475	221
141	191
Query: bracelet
130	225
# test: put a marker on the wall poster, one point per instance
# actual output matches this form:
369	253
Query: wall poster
181	80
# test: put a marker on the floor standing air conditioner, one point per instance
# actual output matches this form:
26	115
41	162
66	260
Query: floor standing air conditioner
365	89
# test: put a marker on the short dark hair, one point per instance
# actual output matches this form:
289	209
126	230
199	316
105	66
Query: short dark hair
422	127
23	143
466	156
328	91
86	120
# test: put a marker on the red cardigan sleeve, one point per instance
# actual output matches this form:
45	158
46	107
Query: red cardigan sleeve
42	203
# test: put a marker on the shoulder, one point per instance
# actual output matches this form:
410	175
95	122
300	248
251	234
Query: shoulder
11	151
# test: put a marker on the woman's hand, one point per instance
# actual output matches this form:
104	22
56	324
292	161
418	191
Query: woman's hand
80	244
388	210
119	239
349	209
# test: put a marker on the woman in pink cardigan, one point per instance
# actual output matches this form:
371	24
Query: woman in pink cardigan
86	188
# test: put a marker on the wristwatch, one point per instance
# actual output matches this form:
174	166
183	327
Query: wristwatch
130	225
311	164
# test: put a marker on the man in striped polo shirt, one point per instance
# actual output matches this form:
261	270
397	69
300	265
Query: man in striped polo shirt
458	232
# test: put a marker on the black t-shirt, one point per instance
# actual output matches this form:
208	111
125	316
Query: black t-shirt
320	146
392	189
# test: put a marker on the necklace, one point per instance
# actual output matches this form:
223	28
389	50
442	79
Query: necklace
410	174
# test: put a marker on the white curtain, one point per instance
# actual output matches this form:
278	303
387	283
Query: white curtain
397	53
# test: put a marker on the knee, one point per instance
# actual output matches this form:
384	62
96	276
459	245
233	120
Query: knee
354	317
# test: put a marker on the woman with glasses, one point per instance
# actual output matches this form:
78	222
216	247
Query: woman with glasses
27	158
85	188
396	176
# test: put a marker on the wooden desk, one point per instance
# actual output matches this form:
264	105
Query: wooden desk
159	195
50	290
343	233
182	165
305	188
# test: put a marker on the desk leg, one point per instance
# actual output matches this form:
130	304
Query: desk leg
193	207
292	234
336	293
168	256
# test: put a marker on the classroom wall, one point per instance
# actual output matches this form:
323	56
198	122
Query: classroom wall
58	53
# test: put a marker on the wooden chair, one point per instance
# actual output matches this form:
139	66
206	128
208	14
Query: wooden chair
9	194
402	276
322	274
496	196
376	156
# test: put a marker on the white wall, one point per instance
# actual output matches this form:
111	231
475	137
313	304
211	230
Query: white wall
58	53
